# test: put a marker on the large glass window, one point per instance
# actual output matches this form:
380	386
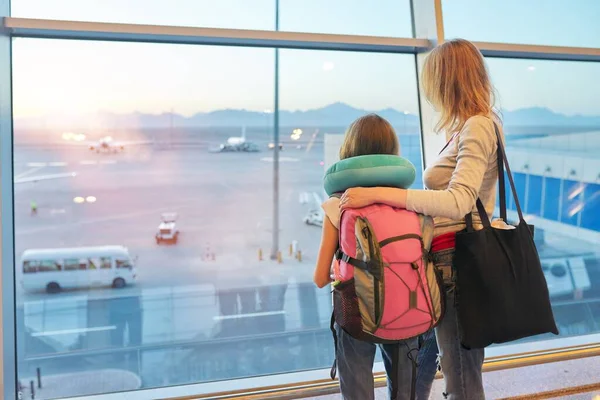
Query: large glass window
552	132
172	147
353	17
550	22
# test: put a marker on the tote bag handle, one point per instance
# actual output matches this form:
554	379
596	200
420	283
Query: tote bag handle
502	163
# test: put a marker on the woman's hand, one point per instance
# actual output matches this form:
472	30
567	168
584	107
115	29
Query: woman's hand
358	197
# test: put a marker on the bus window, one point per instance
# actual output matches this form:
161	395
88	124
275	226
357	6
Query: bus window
105	262
30	267
72	264
49	266
100	263
125	264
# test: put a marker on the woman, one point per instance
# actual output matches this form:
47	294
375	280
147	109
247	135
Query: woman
456	82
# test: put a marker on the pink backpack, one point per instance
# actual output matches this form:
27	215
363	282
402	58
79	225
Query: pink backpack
387	289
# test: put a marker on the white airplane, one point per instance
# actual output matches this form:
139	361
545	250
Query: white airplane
108	145
44	177
236	141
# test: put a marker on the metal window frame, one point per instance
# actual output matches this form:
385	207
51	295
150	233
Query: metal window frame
428	30
81	30
8	361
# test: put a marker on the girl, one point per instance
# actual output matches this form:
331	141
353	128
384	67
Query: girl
370	134
457	84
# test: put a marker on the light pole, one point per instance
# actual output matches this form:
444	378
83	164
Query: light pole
275	244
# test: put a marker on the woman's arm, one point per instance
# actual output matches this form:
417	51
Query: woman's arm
362	197
476	143
329	244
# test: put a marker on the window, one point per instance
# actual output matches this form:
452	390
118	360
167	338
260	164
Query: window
239	14
30	267
188	130
553	22
72	264
553	147
350	17
124	264
388	18
238	316
105	263
48	266
590	218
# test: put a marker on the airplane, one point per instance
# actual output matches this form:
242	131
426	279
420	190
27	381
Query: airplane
108	145
44	177
237	143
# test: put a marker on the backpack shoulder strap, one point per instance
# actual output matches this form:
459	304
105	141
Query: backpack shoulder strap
426	230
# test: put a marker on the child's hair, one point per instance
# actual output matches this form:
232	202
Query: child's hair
369	134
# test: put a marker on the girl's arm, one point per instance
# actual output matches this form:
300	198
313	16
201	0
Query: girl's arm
329	244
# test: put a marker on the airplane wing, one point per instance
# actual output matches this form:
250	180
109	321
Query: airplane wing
44	177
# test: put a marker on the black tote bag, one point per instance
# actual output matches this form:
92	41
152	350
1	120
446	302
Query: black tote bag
502	293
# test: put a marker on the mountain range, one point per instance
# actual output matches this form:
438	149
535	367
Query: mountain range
337	114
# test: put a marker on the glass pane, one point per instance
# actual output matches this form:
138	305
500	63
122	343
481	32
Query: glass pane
385	18
352	17
165	109
552	22
237	14
553	144
327	97
172	146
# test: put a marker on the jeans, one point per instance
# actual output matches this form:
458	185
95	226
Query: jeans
428	365
355	366
461	367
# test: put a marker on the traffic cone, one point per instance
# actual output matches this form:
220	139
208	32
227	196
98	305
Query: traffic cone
279	258
299	256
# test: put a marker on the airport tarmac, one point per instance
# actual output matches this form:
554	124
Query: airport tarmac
225	207
182	295
224	202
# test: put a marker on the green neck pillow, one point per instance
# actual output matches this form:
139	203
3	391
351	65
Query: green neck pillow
369	171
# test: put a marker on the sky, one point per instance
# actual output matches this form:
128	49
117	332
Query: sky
54	77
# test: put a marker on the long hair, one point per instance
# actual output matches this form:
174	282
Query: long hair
456	82
369	134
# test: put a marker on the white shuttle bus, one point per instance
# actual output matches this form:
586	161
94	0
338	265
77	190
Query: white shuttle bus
69	268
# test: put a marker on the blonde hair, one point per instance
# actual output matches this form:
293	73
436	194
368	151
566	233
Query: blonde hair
457	83
369	134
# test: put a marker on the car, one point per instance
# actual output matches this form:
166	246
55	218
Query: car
167	230
272	146
314	217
